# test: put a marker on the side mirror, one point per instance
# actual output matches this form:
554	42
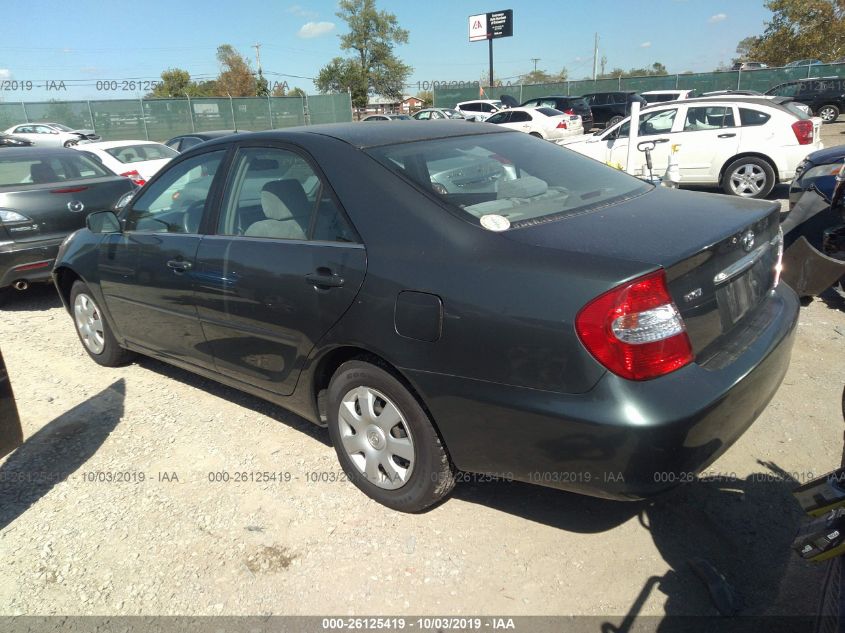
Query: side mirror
124	200
103	222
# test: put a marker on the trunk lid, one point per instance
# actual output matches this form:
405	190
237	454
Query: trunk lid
57	209
719	252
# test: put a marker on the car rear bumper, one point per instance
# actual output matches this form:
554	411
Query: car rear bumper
28	261
623	439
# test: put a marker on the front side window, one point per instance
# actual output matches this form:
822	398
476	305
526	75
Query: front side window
508	175
176	201
712	118
659	122
189	141
275	193
424	116
500	117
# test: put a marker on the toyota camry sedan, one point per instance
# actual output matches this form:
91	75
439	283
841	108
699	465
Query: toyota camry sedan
448	298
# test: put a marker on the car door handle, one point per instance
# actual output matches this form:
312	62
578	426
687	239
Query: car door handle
661	140
324	278
731	135
179	265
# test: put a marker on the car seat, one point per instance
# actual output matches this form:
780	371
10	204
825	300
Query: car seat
41	172
286	210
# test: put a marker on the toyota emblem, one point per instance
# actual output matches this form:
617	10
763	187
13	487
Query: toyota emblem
75	206
748	241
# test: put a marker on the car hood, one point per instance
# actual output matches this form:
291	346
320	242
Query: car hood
829	155
661	227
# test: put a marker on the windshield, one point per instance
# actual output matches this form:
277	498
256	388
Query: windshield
142	152
453	114
35	170
510	175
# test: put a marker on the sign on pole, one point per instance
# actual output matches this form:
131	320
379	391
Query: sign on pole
491	26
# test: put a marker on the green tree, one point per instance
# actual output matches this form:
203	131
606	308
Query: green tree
373	66
262	87
236	78
427	98
175	82
542	77
800	29
297	92
656	69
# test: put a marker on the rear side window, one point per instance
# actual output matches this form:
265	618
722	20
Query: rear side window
749	118
509	175
28	171
598	99
276	194
520	117
470	107
784	90
712	118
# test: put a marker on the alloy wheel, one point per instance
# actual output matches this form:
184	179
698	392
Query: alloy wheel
89	323
376	437
748	180
827	114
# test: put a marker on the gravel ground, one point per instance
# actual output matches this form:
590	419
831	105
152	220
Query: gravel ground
161	538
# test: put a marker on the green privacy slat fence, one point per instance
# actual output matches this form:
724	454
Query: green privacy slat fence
161	119
760	80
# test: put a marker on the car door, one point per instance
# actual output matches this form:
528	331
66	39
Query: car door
599	104
282	268
28	132
708	138
656	126
148	271
47	136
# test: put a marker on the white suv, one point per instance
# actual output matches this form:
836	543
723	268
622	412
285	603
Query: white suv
660	96
480	109
745	145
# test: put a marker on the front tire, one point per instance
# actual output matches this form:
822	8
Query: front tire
828	113
748	177
613	121
70	143
93	330
384	440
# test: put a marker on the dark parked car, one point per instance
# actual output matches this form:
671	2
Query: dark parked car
45	194
7	140
609	108
11	433
824	95
532	313
185	142
567	105
387	117
819	169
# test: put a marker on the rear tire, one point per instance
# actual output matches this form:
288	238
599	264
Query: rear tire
384	440
828	113
748	177
93	329
70	143
613	121
535	134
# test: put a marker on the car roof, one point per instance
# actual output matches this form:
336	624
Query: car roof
555	97
210	134
729	100
111	144
362	136
41	152
482	101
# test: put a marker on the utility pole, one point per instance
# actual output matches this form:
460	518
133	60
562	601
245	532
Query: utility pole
595	57
257	48
535	60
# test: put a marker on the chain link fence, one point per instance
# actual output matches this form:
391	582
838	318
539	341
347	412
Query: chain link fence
161	119
760	80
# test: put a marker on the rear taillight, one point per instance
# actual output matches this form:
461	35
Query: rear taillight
135	177
803	132
562	125
635	330
569	111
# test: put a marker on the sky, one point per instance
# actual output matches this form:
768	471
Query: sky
96	49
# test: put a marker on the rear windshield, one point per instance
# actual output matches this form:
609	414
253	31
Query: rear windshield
510	175
549	111
578	103
34	170
140	153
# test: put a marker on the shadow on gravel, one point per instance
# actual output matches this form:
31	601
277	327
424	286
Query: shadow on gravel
241	398
36	297
833	300
57	450
740	529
